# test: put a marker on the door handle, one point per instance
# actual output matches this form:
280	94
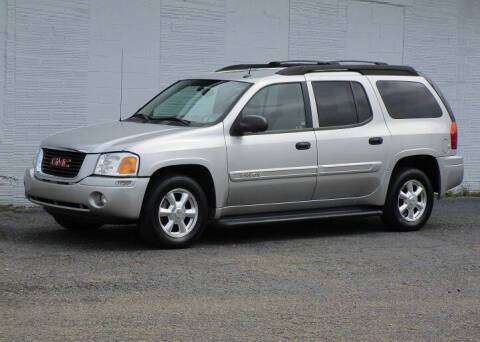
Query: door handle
375	141
304	145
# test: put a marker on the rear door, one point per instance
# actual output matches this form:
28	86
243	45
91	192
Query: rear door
352	138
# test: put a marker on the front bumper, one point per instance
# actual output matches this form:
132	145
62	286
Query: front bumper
123	197
451	172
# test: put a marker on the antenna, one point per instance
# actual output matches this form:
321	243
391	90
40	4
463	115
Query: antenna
121	86
248	74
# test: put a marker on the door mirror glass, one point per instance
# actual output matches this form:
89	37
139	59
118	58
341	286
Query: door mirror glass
251	124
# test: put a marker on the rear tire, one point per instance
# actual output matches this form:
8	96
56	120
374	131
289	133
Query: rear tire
76	224
174	213
409	200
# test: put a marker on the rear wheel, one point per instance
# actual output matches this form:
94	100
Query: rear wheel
409	201
76	224
174	213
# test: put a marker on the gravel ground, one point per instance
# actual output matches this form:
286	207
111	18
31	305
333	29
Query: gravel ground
346	279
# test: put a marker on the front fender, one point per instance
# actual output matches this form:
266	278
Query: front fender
218	172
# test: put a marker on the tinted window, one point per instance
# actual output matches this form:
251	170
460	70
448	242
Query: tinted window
364	111
337	105
442	97
408	100
281	104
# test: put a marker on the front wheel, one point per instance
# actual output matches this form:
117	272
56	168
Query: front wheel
174	212
409	201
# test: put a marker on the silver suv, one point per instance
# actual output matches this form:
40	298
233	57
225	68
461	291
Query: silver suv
282	141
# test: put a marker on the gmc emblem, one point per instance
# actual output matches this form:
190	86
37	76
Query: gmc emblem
60	162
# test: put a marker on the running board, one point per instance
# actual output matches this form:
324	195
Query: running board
290	216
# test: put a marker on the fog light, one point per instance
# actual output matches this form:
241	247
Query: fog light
97	199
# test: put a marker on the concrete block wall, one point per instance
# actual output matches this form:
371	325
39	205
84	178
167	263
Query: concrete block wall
60	60
3	56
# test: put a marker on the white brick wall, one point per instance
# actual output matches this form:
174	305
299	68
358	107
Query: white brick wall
60	59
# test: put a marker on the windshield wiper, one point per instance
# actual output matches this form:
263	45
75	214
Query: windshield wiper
143	116
171	118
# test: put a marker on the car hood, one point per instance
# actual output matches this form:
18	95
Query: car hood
112	136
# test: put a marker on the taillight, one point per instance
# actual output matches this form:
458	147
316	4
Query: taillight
453	135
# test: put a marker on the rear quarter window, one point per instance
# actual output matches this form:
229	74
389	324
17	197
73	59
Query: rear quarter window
408	100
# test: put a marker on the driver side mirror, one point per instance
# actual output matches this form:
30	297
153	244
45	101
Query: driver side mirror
250	124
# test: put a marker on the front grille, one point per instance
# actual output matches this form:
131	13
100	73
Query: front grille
65	164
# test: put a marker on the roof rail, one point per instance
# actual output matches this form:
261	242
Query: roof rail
274	64
302	67
298	61
358	62
376	69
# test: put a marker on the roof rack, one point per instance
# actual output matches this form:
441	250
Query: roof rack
274	64
302	67
376	69
359	62
298	62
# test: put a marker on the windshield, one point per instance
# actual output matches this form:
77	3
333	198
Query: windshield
193	101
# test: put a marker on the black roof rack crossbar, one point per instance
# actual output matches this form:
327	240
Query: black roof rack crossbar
376	69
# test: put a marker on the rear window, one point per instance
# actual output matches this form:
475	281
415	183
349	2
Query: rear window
408	100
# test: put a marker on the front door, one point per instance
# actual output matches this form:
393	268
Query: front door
279	165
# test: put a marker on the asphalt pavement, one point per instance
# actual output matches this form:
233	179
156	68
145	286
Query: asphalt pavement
334	280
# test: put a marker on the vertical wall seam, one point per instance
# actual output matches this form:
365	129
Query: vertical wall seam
159	76
289	22
4	72
404	33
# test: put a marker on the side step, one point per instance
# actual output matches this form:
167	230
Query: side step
290	216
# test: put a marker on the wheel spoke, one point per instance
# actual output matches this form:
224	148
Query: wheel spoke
171	198
410	187
166	211
403	195
420	205
411	214
182	227
418	191
184	199
403	207
190	212
169	226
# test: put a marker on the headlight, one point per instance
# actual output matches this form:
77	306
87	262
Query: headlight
117	164
37	162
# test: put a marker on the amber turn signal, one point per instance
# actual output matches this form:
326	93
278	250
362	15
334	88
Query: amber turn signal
128	166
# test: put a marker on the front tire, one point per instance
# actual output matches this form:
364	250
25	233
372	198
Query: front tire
409	200
174	213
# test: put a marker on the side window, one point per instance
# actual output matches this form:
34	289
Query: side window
281	104
408	100
341	103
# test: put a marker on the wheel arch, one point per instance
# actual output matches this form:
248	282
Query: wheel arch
198	172
424	162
